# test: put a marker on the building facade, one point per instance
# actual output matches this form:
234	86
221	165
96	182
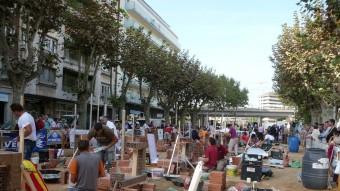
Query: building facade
271	100
53	91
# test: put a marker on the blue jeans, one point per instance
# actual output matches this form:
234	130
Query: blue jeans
28	149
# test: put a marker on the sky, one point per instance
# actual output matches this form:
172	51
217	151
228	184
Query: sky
233	37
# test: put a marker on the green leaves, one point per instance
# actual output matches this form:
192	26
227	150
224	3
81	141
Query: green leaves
305	61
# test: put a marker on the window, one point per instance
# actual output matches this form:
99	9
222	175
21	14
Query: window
105	90
69	80
51	45
48	75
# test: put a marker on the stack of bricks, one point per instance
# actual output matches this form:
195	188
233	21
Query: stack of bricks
217	181
161	146
196	150
12	161
3	177
122	166
104	183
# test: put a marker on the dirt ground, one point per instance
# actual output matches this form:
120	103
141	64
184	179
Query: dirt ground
283	180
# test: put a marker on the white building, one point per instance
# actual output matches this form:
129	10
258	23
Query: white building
271	100
52	92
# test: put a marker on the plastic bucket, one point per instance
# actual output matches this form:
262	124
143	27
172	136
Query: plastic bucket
293	144
231	170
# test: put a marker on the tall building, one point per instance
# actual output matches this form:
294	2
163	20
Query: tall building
271	100
53	91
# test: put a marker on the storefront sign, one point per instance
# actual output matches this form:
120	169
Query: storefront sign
3	97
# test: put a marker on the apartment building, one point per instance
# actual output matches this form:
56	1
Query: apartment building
53	91
271	100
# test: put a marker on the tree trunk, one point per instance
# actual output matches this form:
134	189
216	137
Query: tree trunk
194	119
147	114
82	103
18	92
167	115
315	116
327	112
114	113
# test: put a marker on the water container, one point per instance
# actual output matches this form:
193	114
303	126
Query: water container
293	144
314	177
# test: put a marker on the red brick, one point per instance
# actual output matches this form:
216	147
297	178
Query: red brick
217	177
215	187
126	170
123	163
104	183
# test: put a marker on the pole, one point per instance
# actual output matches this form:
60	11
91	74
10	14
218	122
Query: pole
105	109
173	153
133	127
176	114
199	123
98	101
123	134
91	105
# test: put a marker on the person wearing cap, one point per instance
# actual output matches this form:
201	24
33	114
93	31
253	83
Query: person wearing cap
105	138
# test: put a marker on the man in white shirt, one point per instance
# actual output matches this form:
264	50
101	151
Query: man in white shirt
26	122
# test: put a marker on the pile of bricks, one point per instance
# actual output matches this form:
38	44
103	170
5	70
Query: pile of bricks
104	183
217	181
122	166
196	151
161	146
10	159
3	177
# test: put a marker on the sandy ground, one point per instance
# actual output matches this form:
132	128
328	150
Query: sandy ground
283	179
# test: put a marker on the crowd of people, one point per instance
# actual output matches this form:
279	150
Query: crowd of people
217	146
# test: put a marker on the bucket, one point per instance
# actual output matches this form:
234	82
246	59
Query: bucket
231	170
293	144
157	173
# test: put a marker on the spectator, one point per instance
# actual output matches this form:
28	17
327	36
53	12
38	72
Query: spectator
233	143
244	138
315	136
40	124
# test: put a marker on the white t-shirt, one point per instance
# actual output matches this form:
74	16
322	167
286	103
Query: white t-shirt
315	134
269	137
111	125
27	119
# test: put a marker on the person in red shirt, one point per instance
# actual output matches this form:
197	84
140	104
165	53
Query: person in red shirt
222	151
40	124
168	132
211	155
244	138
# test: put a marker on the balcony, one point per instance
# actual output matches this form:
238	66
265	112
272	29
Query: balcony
144	12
